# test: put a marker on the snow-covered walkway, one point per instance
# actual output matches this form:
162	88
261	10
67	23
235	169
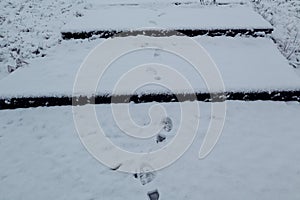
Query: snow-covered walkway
257	156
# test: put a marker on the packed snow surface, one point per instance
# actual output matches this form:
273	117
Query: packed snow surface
134	2
167	17
245	64
257	156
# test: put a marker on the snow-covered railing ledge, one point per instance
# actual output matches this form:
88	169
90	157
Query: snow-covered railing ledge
32	102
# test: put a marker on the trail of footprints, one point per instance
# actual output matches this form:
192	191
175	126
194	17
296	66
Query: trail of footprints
147	174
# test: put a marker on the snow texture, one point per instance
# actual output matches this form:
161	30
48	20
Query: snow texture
285	17
245	64
28	28
257	156
167	17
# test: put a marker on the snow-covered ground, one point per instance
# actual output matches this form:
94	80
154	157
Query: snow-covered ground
257	156
285	17
28	28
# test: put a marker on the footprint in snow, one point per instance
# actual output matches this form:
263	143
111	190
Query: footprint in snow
151	70
161	14
167	124
154	72
152	22
146	174
160	138
153	195
156	53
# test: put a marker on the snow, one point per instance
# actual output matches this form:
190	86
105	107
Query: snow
167	17
245	64
285	17
257	156
32	27
42	157
140	2
44	19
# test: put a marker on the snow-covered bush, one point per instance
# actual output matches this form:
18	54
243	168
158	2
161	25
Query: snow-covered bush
284	15
29	27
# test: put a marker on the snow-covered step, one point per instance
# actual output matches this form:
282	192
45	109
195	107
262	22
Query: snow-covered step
42	156
246	65
189	20
96	4
140	2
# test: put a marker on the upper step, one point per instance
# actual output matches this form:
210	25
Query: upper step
186	19
177	2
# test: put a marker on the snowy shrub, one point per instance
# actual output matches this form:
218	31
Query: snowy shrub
284	15
31	27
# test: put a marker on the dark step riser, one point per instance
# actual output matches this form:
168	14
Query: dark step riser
166	33
33	102
181	3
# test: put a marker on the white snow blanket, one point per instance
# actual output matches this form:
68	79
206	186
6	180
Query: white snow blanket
167	17
245	64
257	156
